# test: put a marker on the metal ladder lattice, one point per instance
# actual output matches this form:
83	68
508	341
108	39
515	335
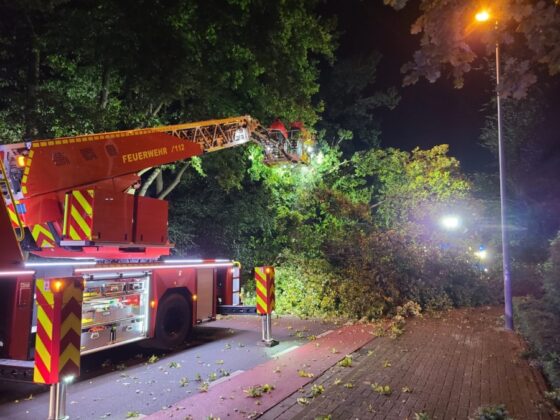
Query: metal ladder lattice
7	191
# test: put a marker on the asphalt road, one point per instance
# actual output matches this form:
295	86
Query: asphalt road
132	379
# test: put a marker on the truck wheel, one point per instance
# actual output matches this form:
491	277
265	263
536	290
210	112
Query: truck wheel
174	320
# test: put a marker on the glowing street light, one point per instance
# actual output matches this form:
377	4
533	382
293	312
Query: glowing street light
484	16
481	254
450	222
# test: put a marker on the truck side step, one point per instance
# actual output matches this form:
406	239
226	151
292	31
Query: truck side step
16	370
237	310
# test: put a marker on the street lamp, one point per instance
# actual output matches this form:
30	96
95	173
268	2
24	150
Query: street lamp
485	16
450	222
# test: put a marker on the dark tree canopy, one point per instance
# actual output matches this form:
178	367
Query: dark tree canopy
77	66
528	32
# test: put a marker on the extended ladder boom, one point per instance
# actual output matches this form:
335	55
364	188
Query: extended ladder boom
71	191
69	162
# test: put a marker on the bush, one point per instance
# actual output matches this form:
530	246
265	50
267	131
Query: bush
540	326
492	412
552	277
539	319
371	275
526	279
305	287
388	269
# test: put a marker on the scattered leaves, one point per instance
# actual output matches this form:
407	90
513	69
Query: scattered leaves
204	387
302	401
317	390
132	414
337	381
183	382
386	364
382	389
198	378
305	374
153	358
174	365
349	385
258	390
406	390
346	362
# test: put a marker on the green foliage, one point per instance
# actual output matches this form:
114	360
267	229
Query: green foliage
552	277
351	103
539	318
382	389
346	361
351	233
553	396
492	412
257	391
107	65
302	286
449	33
411	187
539	325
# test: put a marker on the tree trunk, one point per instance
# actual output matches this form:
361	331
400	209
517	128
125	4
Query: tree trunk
104	91
175	182
149	182
159	183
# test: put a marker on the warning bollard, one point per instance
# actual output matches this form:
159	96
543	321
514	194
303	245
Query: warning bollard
57	343
264	279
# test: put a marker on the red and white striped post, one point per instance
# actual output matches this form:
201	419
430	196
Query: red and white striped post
264	279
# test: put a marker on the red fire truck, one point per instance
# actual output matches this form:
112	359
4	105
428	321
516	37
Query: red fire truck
69	209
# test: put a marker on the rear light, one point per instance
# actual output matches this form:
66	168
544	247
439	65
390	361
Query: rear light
57	285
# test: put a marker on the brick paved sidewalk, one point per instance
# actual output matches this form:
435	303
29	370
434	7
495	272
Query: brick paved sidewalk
446	367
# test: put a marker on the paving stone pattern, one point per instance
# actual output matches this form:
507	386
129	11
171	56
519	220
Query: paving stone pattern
446	367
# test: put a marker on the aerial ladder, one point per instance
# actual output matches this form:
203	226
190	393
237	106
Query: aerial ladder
72	193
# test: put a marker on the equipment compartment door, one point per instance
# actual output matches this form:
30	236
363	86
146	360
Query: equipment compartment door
205	294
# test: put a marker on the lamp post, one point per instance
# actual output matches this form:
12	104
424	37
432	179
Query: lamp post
484	16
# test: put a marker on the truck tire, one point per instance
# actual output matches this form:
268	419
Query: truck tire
174	321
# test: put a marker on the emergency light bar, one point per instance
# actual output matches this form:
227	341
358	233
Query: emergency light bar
60	264
17	273
179	261
150	267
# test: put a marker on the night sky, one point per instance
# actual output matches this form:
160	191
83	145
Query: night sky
428	114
